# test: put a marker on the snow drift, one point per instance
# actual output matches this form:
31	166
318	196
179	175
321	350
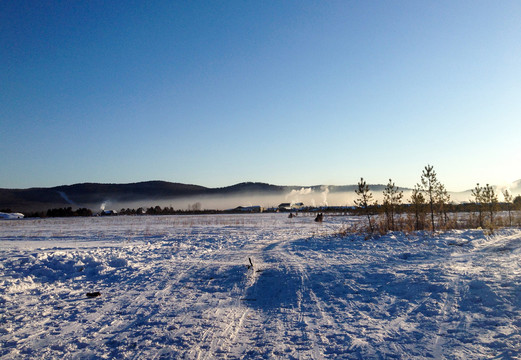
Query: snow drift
11	216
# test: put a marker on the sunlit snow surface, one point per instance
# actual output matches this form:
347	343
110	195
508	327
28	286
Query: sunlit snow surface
178	287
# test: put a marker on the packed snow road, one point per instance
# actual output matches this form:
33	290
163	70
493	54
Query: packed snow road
182	287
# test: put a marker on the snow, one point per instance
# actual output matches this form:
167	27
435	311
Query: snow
11	216
179	287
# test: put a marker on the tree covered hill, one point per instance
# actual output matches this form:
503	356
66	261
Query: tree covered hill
40	199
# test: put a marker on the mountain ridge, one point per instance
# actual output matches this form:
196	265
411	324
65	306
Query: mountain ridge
90	194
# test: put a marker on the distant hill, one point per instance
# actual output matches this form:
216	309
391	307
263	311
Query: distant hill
466	196
96	193
92	195
89	194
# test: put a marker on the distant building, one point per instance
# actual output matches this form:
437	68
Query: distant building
290	206
108	212
285	206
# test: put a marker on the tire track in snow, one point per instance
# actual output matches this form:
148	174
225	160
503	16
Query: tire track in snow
284	294
219	339
452	319
447	313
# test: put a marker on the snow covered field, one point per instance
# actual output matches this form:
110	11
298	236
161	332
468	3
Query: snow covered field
178	287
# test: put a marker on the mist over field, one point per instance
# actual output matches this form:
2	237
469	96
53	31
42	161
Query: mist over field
306	195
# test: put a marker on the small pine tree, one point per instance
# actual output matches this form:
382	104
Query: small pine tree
418	202
364	201
490	198
508	200
442	200
392	199
477	193
430	185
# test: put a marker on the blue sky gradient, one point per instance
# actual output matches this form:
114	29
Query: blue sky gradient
284	92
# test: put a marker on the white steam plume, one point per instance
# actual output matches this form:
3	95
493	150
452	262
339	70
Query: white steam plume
294	195
325	191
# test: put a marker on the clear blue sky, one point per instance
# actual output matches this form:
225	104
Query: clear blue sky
284	92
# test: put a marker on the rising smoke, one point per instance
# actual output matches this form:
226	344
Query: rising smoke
322	196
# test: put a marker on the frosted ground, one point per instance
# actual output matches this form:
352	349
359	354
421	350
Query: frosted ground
179	288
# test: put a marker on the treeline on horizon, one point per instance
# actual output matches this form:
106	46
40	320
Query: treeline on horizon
169	210
377	209
70	212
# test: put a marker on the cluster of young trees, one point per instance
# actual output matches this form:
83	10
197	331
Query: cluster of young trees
430	206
